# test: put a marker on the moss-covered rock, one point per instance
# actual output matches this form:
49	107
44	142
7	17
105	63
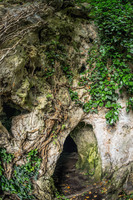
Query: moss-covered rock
8	72
46	188
89	157
35	77
23	91
122	179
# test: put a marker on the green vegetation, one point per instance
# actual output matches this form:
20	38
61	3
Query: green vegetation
73	95
124	196
21	181
63	127
56	52
130	104
110	72
112	115
60	197
54	139
5	156
49	96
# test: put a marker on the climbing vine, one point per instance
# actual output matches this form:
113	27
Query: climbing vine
57	53
110	72
21	181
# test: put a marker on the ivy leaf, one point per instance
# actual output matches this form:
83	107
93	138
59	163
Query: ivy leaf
101	104
108	104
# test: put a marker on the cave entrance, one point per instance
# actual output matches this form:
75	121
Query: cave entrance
66	163
79	165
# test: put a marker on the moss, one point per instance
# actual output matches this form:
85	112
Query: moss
46	188
61	26
52	185
23	90
89	158
89	161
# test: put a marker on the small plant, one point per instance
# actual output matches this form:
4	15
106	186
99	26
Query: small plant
48	96
73	95
124	196
60	197
90	107
56	53
55	139
6	157
67	71
1	169
112	116
63	127
129	104
49	72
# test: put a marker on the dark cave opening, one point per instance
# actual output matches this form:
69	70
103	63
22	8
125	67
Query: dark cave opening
69	145
69	152
71	178
10	110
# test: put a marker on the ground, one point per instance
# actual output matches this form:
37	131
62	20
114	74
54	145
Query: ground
73	183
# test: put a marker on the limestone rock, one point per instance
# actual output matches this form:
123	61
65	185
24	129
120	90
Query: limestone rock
8	71
36	76
4	136
89	157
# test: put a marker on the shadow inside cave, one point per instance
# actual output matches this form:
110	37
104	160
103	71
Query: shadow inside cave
9	111
63	165
69	180
69	145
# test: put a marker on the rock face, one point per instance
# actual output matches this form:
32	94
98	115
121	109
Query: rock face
115	146
40	64
115	142
89	158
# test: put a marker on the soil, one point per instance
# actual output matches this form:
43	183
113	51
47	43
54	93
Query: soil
73	183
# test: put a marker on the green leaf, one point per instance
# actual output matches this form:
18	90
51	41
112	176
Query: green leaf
108	104
129	56
101	104
111	121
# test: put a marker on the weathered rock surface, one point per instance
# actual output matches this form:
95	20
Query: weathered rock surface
115	143
115	147
37	64
89	158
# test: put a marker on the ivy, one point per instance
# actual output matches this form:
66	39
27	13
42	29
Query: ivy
21	181
73	95
129	104
56	52
109	71
124	196
5	156
112	115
